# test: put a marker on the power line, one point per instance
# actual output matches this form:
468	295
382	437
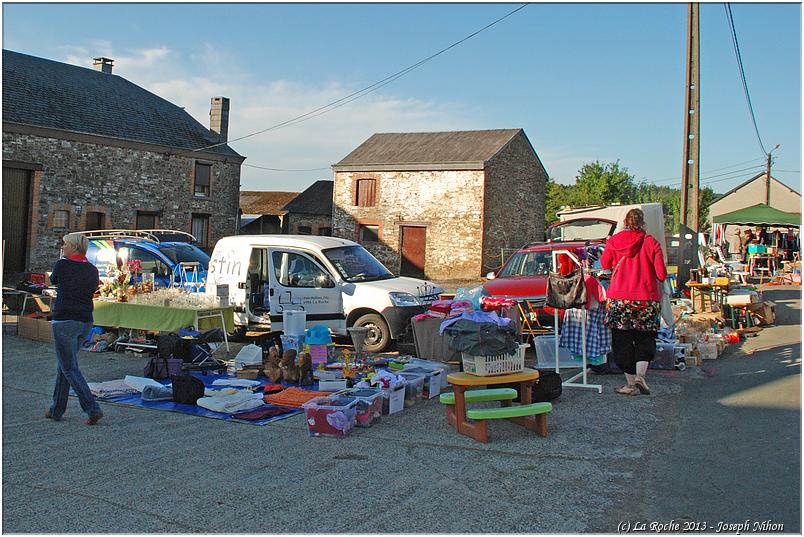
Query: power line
677	178
284	170
365	91
756	167
787	171
736	44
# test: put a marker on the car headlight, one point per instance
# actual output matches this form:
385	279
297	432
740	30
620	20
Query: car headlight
404	299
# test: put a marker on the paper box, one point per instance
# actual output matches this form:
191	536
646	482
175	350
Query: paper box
393	400
36	328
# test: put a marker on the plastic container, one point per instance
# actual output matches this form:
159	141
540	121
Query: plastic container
432	380
393	400
546	354
248	355
430	364
499	364
294	322
369	405
330	415
414	385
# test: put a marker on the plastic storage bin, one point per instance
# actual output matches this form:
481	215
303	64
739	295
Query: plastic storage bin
546	354
499	364
432	380
445	369
369	405
414	384
330	415
294	322
393	400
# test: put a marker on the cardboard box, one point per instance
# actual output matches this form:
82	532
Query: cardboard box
35	328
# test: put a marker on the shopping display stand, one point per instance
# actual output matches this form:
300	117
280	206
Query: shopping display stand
571	382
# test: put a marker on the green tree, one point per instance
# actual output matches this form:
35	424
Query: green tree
604	184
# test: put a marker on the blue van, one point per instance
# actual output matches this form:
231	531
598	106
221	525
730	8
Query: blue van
171	256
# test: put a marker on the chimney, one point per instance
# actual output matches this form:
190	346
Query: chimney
219	117
104	65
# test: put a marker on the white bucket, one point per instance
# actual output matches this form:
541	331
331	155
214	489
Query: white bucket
294	322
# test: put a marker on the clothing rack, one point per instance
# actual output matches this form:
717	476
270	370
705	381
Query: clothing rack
571	382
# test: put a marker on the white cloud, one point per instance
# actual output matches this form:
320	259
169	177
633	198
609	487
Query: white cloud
191	80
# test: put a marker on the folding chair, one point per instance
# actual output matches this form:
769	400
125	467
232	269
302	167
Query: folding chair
204	346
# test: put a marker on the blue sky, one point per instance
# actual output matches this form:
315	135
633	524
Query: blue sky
585	81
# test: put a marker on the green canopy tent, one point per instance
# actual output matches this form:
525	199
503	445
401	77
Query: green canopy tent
759	215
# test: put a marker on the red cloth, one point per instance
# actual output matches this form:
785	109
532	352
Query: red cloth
642	264
78	257
566	265
593	291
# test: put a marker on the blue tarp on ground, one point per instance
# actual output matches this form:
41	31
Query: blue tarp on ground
135	400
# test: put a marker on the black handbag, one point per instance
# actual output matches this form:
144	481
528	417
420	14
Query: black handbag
161	367
566	292
187	389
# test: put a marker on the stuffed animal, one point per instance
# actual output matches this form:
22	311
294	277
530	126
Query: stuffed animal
270	365
306	369
290	371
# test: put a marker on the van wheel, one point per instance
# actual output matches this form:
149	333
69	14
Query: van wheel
379	335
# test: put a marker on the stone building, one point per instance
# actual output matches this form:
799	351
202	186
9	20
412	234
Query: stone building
310	213
442	204
86	149
263	212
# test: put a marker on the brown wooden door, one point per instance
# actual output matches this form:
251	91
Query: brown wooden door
16	215
414	241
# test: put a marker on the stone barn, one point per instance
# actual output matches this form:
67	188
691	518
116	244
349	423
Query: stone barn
310	213
86	149
441	205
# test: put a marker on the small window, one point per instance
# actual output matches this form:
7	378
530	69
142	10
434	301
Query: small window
147	220
304	230
200	229
61	218
325	231
369	233
95	220
366	195
296	270
201	182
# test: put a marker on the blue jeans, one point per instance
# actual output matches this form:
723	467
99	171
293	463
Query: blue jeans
67	336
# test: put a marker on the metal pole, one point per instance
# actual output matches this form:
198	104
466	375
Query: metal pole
768	181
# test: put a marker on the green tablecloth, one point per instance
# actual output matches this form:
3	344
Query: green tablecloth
157	318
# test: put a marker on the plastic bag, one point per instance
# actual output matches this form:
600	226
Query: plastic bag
471	295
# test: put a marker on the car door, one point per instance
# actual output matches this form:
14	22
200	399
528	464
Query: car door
297	280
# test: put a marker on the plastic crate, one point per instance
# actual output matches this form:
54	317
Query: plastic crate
499	364
369	404
330	415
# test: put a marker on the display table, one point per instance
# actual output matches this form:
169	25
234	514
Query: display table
162	318
477	430
713	291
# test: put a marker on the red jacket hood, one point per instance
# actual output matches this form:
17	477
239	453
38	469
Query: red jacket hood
626	243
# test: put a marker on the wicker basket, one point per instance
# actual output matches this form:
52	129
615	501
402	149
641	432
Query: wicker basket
499	364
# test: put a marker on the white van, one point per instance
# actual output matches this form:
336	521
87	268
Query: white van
335	281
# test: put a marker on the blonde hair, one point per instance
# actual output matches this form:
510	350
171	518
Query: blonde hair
77	242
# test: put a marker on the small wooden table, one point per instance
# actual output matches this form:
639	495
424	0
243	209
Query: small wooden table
477	429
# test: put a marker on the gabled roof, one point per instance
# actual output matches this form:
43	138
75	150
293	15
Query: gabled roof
55	95
427	150
317	199
754	178
255	202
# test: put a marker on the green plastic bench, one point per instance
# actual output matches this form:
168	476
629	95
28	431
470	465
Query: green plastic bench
479	396
509	411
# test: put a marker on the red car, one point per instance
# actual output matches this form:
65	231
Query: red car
524	274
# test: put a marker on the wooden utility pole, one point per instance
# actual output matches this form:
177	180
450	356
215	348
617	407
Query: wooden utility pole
690	177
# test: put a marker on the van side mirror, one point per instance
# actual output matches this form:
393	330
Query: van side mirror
490	276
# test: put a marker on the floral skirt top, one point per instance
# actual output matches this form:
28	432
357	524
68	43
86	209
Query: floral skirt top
642	315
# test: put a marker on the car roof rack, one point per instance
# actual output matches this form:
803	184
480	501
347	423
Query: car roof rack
153	235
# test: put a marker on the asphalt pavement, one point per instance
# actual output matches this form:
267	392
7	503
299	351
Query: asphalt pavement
719	444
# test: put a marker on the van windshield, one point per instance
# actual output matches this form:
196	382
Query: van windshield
355	264
184	253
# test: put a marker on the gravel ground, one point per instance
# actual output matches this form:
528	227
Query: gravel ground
694	450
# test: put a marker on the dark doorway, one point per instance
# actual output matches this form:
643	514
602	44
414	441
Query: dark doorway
16	216
414	241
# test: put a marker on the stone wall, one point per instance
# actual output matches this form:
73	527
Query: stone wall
448	203
119	181
515	201
314	221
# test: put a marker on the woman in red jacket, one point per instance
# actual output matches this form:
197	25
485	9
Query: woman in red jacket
633	307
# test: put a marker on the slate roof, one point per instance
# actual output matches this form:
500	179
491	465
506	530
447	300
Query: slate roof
420	150
55	95
317	199
255	202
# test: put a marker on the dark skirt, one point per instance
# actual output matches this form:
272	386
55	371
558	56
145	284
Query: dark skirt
642	315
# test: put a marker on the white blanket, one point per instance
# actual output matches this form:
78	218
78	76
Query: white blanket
229	404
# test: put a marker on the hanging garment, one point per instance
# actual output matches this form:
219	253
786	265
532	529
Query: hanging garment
566	292
598	335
